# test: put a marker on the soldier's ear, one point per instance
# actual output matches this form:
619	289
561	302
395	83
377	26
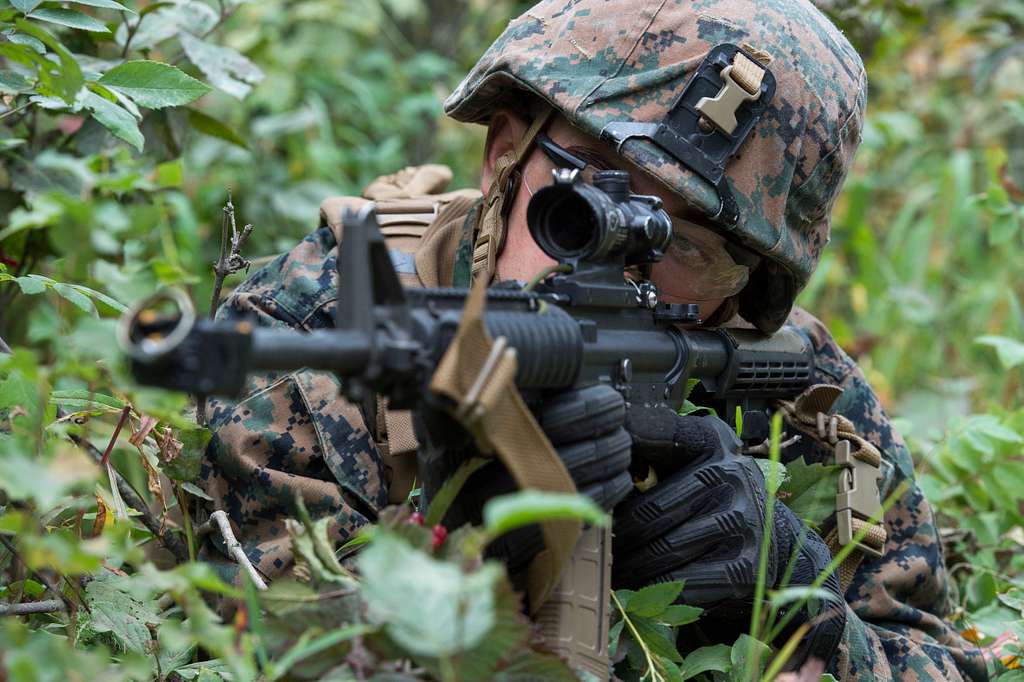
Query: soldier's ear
504	132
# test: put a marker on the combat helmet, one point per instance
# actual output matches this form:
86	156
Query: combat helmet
634	72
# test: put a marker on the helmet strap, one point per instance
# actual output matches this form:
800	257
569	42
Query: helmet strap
493	222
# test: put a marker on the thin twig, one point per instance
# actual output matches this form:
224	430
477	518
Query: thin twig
117	432
171	542
42	579
45	606
230	260
15	110
235	548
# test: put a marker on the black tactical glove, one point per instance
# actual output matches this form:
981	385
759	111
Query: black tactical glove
586	428
703	523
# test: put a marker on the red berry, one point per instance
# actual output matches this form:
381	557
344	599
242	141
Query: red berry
439	536
415	519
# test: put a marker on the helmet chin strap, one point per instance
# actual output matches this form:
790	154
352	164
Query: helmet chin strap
493	222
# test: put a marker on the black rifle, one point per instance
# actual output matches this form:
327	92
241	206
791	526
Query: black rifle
589	324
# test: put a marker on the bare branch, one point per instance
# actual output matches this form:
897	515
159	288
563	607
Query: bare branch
235	548
765	447
230	260
45	606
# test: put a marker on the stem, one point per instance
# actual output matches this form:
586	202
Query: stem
187	520
15	110
235	548
45	606
651	669
117	432
766	540
133	500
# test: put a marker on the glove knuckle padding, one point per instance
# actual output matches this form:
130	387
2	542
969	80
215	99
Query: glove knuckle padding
597	459
582	414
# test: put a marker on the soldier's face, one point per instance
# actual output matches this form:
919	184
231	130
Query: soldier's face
679	278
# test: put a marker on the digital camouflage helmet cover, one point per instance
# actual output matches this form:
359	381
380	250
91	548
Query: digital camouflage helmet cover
642	73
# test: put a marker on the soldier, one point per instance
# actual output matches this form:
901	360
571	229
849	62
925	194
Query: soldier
592	84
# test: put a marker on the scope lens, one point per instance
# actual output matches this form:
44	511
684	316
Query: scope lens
567	225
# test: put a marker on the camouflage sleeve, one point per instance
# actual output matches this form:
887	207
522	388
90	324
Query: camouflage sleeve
290	434
896	627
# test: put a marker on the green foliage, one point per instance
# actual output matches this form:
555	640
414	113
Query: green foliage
122	125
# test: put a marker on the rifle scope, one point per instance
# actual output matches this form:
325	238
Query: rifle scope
603	222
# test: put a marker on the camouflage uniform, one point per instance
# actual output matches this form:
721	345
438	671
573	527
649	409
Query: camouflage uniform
598	65
291	433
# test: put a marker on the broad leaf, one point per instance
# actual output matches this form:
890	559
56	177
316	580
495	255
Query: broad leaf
13	82
107	4
70	18
679	614
26	6
227	69
115	611
810	490
1010	351
749	658
154	85
508	512
214	128
62	80
653	599
461	606
115	119
706	659
28	41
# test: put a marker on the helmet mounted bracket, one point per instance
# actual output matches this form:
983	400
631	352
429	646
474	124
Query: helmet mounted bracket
710	120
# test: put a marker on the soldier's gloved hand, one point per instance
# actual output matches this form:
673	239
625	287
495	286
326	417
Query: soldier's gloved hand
585	427
703	523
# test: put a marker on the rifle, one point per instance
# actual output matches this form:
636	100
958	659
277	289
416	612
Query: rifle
583	325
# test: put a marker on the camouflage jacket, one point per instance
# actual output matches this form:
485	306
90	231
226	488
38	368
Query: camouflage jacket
291	433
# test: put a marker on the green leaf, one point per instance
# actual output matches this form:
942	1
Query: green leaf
706	659
214	128
450	489
115	119
461	606
810	490
62	80
13	82
107	4
749	658
26	6
22	39
193	489
653	599
679	614
227	69
115	611
1010	351
86	400
31	284
74	296
185	465
154	85
660	639
508	512
70	18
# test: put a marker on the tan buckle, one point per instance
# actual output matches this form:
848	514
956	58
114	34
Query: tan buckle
857	502
469	409
721	109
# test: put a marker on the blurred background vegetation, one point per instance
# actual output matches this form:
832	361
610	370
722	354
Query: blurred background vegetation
922	284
